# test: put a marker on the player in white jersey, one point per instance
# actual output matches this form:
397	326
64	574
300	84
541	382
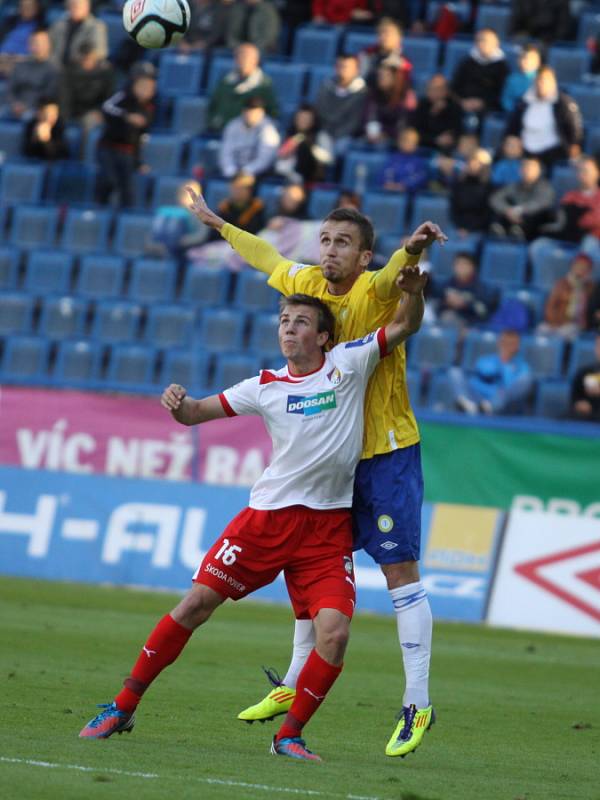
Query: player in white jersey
298	519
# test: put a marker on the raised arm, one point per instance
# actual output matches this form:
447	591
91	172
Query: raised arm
409	313
258	253
188	411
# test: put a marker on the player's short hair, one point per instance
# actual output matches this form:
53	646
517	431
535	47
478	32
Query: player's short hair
365	228
325	318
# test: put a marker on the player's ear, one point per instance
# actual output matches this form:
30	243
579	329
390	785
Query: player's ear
322	338
365	258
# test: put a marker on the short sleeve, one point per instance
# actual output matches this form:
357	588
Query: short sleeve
364	354
241	399
290	277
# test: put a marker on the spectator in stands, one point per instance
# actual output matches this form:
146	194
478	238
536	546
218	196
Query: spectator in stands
341	103
174	229
15	30
469	195
479	78
566	309
291	205
546	20
438	117
585	390
76	27
406	170
547	121
127	116
306	151
250	142
388	50
32	79
593	309
464	299
507	168
522	78
255	21
295	13
446	168
245	80
340	12
348	199
521	208
208	25
579	211
500	383
84	87
44	135
385	109
241	208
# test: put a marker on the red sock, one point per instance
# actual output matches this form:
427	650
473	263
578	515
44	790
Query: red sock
315	680
164	644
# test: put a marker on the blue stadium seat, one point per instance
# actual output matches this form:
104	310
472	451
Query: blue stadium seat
355	161
387	210
163	153
270	193
21	183
317	75
9	266
264	341
569	63
72	182
131	367
48	271
100	276
423	52
180	74
476	344
456	50
442	258
582	353
433	347
544	354
503	263
25	360
495	17
63	317
551	262
78	363
492	131
204	154
187	367
152	280
356	40
115	31
16	312
11	139
530	296
588	100
34	226
222	330
564	178
253	293
439	397
86	230
218	68
170	325
288	83
552	399
204	287
233	368
315	44
321	202
431	207
189	115
589	24
131	234
165	191
116	321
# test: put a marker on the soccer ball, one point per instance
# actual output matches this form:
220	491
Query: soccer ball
156	23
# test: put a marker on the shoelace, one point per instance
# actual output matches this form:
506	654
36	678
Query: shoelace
409	716
273	676
108	708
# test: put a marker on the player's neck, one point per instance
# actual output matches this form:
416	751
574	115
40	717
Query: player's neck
305	366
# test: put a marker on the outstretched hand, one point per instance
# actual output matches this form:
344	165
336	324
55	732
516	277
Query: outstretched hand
411	280
425	235
201	210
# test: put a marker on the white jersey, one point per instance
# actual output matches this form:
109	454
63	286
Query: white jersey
316	424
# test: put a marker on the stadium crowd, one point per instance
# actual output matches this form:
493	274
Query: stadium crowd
484	117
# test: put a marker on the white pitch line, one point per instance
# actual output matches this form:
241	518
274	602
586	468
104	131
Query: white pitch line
219	781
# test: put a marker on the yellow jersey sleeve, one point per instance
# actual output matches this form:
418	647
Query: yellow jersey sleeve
258	253
289	277
383	282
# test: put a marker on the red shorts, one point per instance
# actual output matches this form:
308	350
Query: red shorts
313	548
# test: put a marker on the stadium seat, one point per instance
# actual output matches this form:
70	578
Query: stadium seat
552	399
233	368
72	182
367	162
165	190
564	179
544	354
423	53
503	263
21	183
170	325
48	271
216	191
253	293
115	31
86	230
163	153
582	353
152	280
588	100
63	317
131	367
204	155
187	367
589	25
356	40
387	210
495	17
77	363
116	321
315	44
180	74
433	347
204	287
476	344
100	277
16	312
530	296
442	258
550	261
131	234
317	75
189	115
9	266
433	207
11	139
218	68
25	360
270	194
569	63
222	330
438	395
264	341
456	50
321	202
34	226
492	131
288	83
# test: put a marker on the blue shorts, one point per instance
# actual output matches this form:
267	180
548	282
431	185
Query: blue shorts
386	510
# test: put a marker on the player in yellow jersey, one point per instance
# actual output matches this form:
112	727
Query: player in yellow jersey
388	488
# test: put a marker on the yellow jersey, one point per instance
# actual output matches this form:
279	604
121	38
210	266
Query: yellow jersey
389	421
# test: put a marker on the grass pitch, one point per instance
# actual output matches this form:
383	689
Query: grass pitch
517	713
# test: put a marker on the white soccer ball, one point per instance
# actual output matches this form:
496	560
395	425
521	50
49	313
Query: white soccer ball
156	23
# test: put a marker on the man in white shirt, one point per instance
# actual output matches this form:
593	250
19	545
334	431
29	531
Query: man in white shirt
298	519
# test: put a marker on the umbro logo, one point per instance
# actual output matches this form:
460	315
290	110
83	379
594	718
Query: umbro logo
149	653
388	545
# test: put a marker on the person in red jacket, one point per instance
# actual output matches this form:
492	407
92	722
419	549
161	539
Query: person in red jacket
340	12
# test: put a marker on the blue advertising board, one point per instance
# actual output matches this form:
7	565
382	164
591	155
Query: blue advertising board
154	534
